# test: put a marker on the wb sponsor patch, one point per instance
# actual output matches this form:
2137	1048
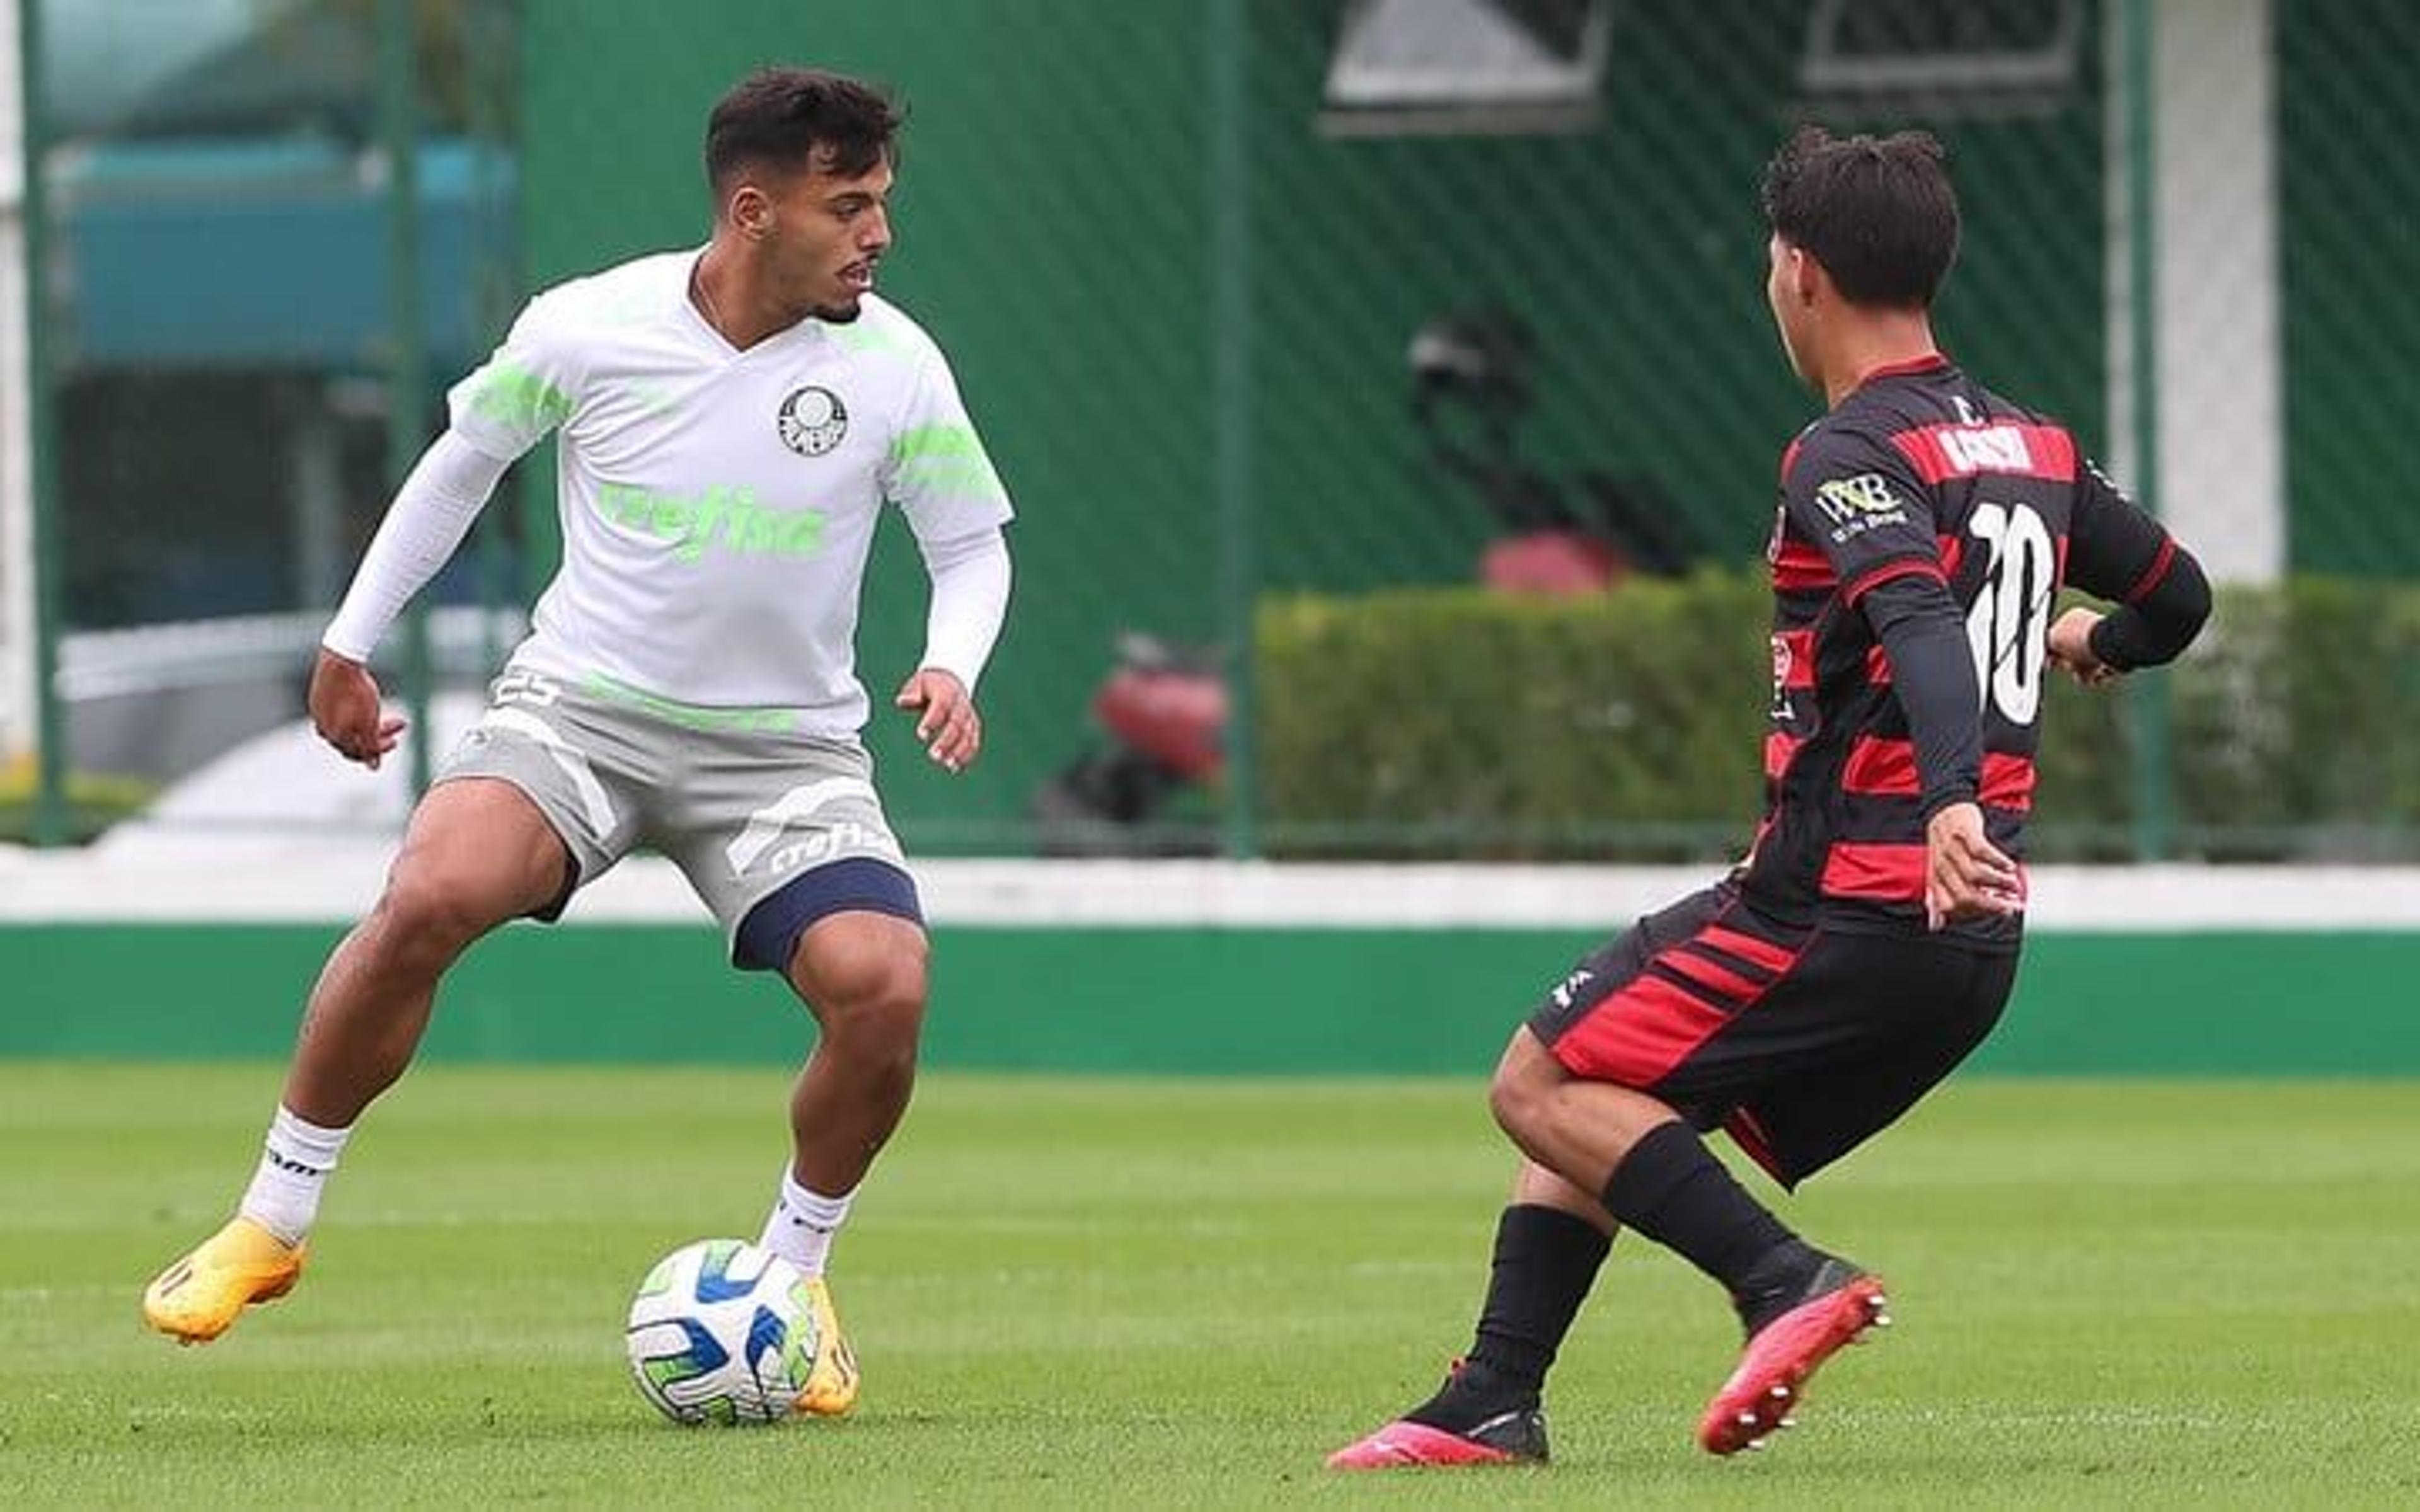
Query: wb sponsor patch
1858	505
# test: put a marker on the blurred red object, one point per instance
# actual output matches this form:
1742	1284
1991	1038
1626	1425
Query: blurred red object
1552	561
1171	715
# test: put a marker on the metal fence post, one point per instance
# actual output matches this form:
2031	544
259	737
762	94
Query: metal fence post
1231	411
2146	698
400	135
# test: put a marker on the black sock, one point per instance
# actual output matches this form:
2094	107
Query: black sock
1545	1260
1673	1191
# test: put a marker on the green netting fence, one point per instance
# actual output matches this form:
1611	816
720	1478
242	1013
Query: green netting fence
1275	308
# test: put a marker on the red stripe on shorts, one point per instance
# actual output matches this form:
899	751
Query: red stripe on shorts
1747	948
1754	1142
1649	1025
1635	1036
1710	975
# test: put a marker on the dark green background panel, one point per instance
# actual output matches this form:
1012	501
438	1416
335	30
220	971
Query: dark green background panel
1061	215
2347	119
1172	1001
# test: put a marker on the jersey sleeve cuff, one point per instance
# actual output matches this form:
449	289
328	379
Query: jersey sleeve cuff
352	650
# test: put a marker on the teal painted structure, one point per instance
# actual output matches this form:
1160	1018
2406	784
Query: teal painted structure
279	249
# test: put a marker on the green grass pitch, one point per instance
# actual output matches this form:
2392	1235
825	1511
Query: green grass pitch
1132	1295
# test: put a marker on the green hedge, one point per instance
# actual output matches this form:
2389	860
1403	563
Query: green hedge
1628	726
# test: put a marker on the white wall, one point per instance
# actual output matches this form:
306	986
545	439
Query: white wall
2218	354
2221	340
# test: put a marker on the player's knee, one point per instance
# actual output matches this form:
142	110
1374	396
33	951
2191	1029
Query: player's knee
424	922
872	1007
1523	1080
1509	1102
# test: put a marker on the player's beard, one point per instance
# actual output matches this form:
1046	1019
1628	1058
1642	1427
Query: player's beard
841	311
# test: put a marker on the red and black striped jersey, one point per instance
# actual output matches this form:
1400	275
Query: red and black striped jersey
1918	472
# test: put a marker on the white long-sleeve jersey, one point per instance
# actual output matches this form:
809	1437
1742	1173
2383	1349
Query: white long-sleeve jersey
718	505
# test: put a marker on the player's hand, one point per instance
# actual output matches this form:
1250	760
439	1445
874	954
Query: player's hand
344	710
946	722
1966	876
2071	647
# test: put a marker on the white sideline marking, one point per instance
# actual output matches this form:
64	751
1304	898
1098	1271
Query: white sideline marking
251	878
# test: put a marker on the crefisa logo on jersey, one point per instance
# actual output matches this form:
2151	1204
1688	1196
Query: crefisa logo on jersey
812	421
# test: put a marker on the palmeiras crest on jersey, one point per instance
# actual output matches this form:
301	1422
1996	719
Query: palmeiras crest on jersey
812	421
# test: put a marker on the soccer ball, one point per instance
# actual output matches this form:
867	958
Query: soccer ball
723	1332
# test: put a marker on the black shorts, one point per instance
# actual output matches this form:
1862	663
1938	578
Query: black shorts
1800	1042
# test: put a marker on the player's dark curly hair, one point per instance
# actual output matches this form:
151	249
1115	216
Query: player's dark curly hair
1877	213
796	118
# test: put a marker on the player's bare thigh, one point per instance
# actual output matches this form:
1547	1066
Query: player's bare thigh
477	853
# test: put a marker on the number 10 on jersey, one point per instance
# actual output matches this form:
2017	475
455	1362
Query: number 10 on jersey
2008	627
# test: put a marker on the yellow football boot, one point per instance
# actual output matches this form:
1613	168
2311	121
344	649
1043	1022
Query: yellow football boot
196	1300
832	1385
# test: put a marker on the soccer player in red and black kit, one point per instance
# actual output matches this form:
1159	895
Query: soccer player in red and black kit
1869	940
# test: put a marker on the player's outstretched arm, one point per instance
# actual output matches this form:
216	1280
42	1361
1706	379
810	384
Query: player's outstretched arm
430	514
2156	623
2121	554
971	580
2150	631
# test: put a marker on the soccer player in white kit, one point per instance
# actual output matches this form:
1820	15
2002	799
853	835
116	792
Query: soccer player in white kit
731	420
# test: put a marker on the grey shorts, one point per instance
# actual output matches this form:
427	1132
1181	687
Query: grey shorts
742	810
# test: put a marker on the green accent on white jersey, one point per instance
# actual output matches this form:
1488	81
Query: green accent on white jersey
945	459
515	399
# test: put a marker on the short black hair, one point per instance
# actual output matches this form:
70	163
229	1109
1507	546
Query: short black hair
1877	213
796	118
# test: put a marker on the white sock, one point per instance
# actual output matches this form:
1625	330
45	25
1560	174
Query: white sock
803	1223
295	1161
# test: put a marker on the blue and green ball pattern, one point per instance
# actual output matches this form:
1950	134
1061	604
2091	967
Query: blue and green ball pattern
721	1331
